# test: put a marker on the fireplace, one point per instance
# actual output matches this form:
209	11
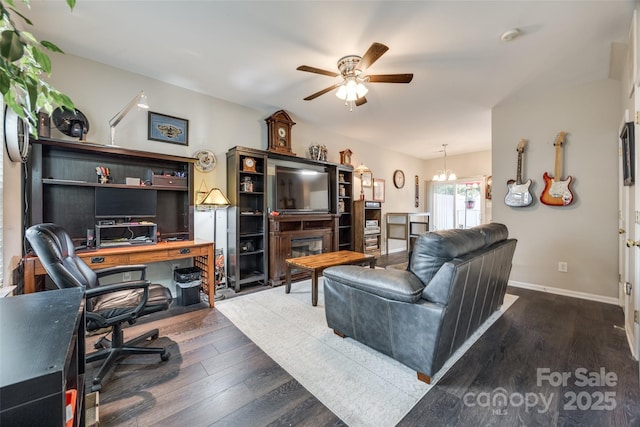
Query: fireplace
293	236
306	246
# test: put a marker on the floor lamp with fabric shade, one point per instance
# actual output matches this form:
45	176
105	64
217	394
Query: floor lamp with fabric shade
215	199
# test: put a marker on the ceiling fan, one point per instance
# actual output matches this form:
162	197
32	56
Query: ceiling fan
352	70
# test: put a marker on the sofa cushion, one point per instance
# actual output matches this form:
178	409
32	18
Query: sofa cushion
396	285
432	250
493	233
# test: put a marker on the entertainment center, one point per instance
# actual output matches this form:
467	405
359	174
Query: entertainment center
283	206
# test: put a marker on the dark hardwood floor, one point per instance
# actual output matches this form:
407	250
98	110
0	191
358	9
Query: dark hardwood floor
217	376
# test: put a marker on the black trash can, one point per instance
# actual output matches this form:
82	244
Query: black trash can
188	282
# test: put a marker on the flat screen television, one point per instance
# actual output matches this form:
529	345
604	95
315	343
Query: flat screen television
301	190
114	202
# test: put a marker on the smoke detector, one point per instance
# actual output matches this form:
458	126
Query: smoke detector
509	35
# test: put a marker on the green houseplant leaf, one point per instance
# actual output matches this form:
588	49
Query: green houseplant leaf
23	64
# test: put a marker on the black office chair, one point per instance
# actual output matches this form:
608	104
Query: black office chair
107	306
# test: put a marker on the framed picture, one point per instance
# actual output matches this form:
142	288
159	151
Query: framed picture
628	152
378	190
168	129
366	179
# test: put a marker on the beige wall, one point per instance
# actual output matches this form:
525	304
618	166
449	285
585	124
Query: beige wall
583	234
464	166
100	91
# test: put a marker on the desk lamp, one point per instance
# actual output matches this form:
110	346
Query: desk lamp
215	199
139	100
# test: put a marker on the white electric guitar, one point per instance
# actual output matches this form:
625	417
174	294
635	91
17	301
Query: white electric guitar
518	194
556	191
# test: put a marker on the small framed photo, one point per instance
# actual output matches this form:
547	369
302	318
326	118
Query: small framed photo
628	153
378	190
165	128
366	179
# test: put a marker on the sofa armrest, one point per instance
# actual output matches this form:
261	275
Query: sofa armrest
397	285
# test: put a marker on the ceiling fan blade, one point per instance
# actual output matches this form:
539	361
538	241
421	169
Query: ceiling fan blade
360	101
375	51
322	92
390	78
317	71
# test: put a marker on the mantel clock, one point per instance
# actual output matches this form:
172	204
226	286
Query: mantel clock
279	132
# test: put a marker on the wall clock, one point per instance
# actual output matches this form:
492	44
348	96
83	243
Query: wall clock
16	136
398	178
71	123
279	132
206	160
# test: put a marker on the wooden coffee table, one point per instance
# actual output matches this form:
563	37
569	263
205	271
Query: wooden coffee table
317	263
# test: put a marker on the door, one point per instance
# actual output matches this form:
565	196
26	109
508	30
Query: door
632	300
626	252
458	204
629	242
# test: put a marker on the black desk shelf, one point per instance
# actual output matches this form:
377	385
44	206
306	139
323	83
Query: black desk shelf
62	185
43	356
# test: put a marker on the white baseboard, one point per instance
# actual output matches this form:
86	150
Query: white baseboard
392	251
565	292
631	342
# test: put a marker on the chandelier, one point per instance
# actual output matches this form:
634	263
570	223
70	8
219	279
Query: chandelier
445	174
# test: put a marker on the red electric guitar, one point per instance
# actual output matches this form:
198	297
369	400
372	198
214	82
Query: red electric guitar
556	191
519	195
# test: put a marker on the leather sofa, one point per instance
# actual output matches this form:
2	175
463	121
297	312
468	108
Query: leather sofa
454	281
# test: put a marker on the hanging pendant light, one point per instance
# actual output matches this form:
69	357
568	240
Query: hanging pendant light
445	174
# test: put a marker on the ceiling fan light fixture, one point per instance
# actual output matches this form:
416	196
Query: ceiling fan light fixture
351	89
361	90
353	69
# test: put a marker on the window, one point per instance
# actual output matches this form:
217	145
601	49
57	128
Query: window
457	204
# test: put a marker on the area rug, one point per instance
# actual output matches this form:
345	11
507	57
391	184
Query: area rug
360	385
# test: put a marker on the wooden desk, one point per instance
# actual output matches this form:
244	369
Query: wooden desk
316	263
201	252
397	228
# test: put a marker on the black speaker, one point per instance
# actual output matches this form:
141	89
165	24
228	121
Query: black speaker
91	238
